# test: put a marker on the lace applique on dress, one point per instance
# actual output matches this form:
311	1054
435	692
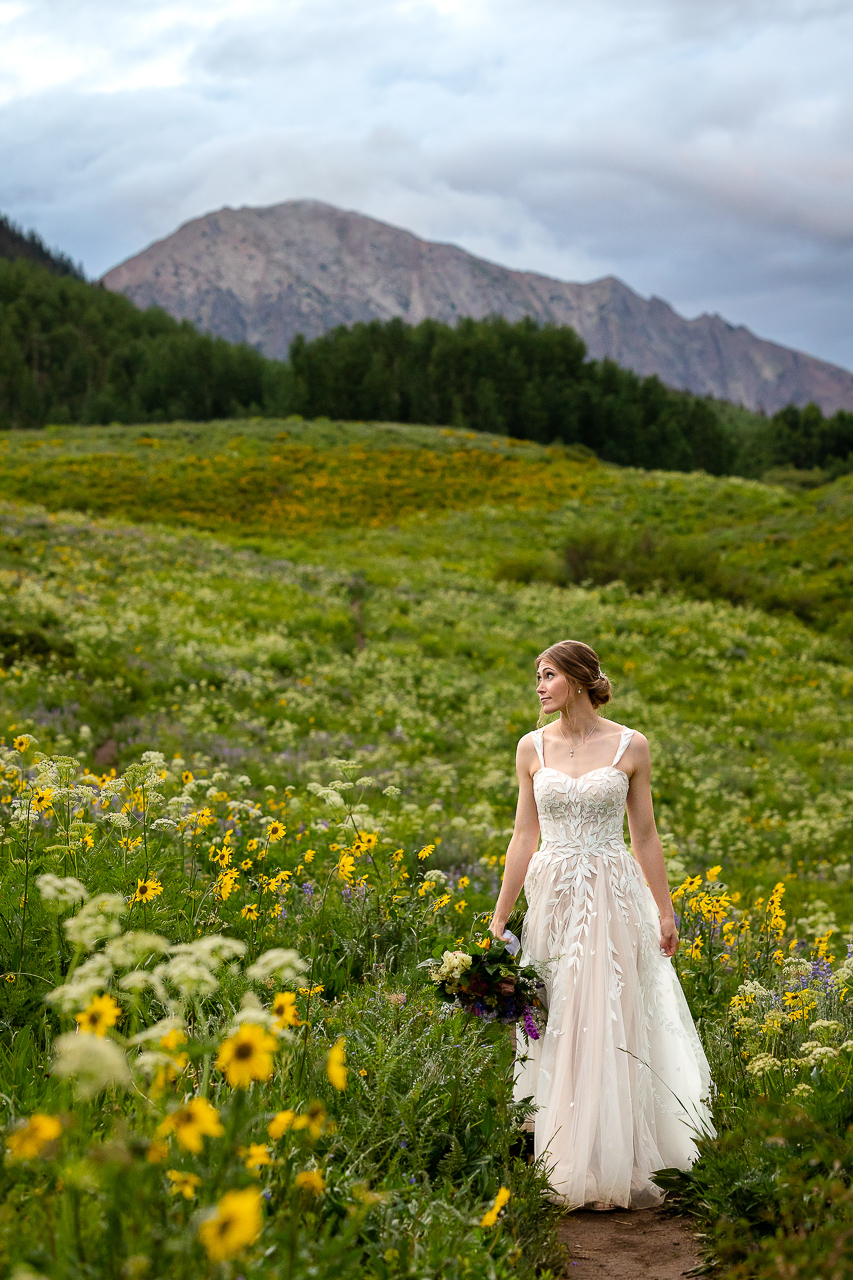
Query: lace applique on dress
620	1078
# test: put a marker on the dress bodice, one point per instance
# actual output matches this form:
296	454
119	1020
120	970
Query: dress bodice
584	814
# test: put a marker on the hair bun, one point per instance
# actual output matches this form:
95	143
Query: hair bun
599	691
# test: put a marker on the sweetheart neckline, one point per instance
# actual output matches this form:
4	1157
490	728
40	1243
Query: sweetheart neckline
547	768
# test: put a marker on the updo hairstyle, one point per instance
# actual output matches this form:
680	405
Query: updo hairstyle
578	662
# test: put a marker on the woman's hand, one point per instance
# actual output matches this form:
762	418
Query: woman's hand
496	928
668	937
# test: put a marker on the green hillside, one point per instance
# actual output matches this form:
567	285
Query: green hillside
71	352
332	628
783	550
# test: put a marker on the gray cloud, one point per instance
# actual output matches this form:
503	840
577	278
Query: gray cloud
700	152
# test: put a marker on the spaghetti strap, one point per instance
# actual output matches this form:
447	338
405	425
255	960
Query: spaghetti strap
624	741
536	735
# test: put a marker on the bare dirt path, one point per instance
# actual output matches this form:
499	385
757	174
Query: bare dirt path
644	1244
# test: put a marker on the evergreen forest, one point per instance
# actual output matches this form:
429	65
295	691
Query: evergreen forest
71	352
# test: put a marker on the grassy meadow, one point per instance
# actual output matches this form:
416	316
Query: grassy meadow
260	692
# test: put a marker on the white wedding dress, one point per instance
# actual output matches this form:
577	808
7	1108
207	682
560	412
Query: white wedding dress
619	1078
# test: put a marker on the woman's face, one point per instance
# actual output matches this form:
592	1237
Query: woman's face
552	687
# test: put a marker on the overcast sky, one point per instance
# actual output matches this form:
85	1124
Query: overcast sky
701	150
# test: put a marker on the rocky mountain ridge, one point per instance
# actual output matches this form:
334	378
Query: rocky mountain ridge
264	275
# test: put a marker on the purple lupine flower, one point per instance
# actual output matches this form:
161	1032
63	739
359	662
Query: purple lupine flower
308	889
530	1026
346	893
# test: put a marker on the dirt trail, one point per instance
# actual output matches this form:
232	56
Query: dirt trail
644	1244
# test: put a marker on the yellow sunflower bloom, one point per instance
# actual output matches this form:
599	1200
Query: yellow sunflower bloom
147	890
192	1123
255	1156
236	1223
311	1180
284	1008
30	1140
183	1184
102	1013
491	1216
247	1056
336	1064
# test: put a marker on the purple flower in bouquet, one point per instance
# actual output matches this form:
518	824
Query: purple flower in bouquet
530	1026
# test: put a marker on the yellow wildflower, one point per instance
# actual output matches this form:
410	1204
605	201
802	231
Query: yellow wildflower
190	1124
183	1184
236	1223
102	1013
311	1180
276	831
336	1064
255	1156
284	1008
491	1216
146	890
346	867
247	1056
250	913
30	1140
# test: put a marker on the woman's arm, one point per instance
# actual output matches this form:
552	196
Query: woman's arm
525	838
645	840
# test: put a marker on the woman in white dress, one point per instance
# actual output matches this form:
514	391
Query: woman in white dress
619	1078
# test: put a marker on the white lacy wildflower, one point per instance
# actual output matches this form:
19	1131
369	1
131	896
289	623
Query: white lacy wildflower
159	1029
251	1010
752	989
92	1063
164	824
819	1054
120	820
848	1044
65	891
435	878
802	1090
127	950
87	979
212	950
191	977
152	1060
98	918
763	1063
139	980
796	968
828	1025
280	963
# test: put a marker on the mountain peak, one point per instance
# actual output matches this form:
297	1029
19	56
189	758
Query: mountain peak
264	275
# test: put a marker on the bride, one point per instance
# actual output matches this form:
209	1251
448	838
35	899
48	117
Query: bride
619	1080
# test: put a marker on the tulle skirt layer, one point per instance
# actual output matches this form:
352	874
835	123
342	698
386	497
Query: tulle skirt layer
619	1078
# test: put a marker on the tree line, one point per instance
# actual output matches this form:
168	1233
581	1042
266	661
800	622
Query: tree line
72	352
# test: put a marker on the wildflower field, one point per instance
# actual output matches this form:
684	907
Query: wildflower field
258	729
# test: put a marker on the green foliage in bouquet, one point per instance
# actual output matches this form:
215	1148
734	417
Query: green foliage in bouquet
492	985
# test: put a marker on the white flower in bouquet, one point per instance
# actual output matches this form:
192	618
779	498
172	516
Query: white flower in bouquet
453	965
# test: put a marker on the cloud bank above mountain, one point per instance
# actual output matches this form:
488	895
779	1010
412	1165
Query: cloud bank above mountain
700	152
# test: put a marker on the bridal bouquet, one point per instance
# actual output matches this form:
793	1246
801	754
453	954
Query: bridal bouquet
492	986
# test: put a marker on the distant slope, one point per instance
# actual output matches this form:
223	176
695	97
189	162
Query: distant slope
15	243
263	275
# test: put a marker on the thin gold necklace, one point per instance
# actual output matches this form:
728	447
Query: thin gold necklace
582	741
